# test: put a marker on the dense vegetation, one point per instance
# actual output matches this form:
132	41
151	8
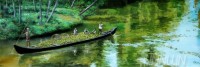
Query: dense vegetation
42	16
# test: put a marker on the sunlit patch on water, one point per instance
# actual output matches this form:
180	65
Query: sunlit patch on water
111	54
93	65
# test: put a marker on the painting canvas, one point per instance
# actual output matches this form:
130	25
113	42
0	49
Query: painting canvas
99	33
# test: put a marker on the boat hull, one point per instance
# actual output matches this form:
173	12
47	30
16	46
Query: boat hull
24	50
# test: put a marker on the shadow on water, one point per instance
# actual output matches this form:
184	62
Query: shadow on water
75	56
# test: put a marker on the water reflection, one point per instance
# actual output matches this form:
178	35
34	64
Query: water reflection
9	61
187	42
74	56
110	53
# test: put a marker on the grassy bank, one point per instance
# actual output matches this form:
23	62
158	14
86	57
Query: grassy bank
62	19
41	17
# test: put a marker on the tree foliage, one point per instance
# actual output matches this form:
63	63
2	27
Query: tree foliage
41	18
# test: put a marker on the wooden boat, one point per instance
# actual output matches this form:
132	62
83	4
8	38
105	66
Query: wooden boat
24	50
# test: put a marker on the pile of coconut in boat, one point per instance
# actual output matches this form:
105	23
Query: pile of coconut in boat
65	38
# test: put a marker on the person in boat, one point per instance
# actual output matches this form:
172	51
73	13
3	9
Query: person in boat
100	27
27	33
55	36
86	31
75	31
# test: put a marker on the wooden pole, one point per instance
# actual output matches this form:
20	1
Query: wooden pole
52	11
88	7
14	14
73	3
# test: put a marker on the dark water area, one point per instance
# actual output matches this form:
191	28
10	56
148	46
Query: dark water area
150	34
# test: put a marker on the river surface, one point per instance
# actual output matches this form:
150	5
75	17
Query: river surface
164	43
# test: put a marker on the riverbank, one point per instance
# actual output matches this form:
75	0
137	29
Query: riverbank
42	17
61	21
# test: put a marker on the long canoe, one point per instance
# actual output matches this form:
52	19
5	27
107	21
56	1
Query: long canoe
24	50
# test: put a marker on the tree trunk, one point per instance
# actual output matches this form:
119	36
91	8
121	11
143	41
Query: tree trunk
73	3
34	5
14	11
87	7
40	22
6	3
19	10
49	3
52	11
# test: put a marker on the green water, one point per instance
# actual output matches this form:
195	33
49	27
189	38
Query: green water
147	32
